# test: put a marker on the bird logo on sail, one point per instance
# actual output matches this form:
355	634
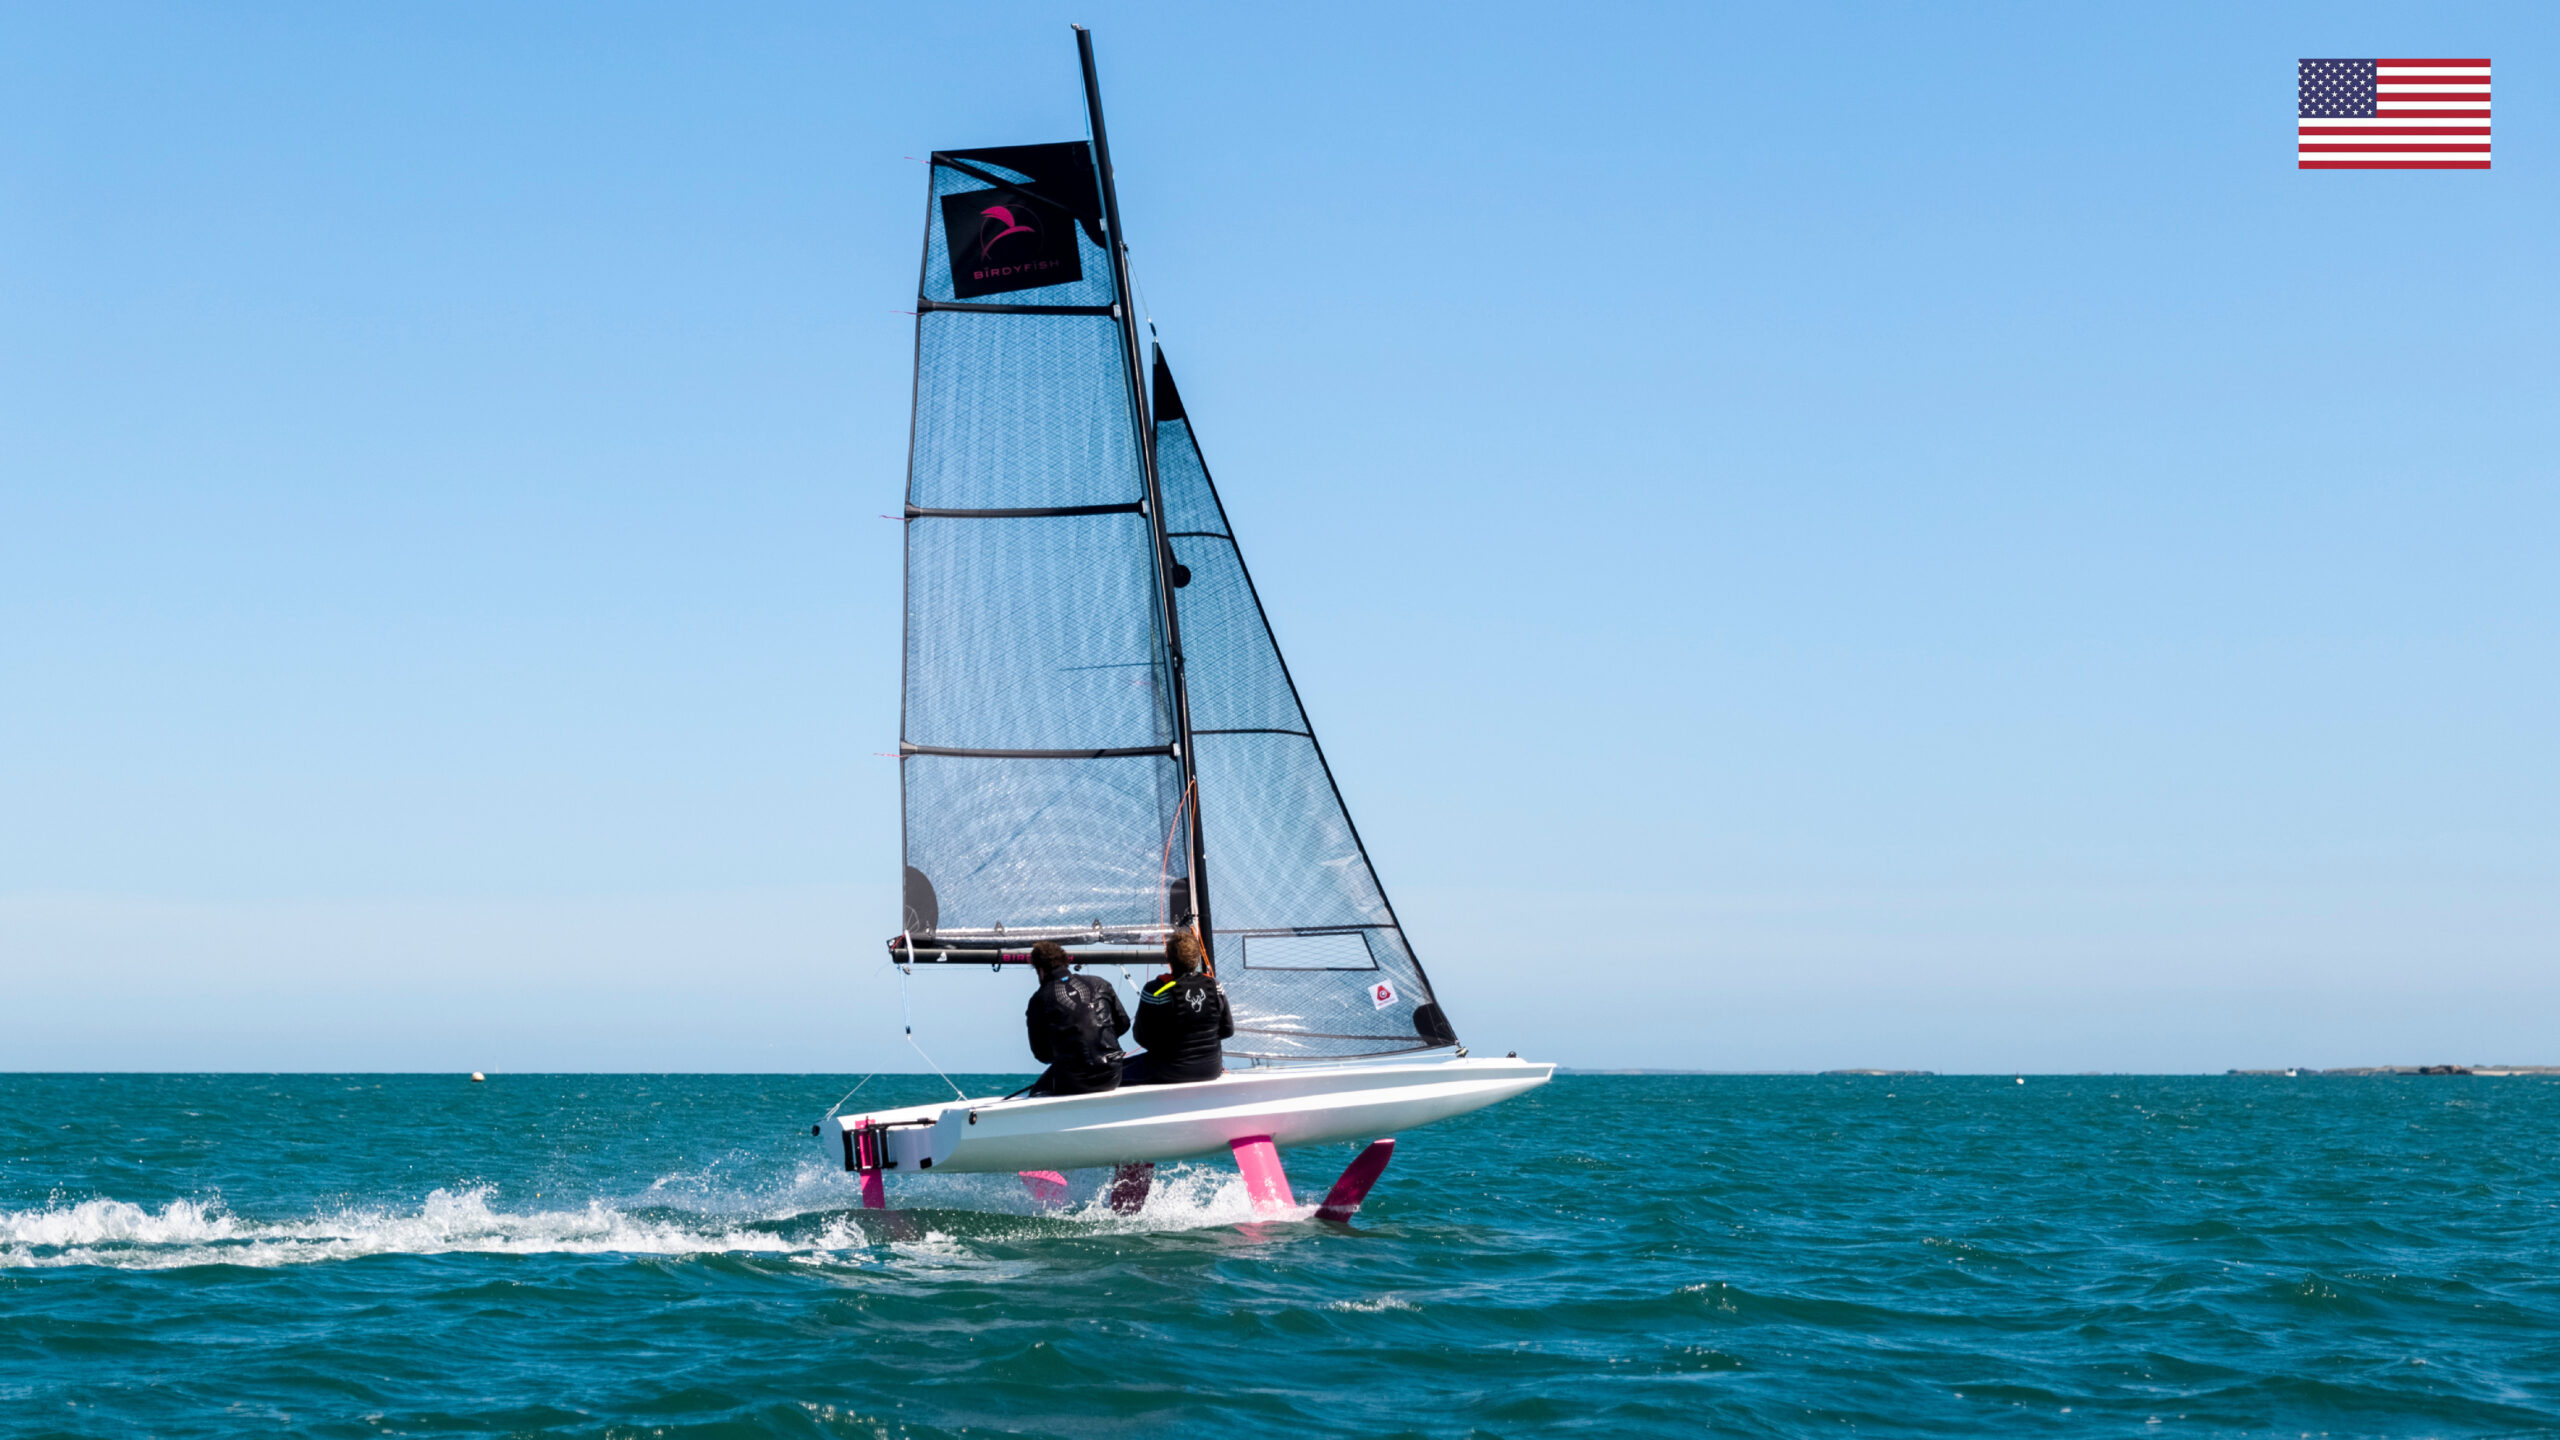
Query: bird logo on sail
1002	220
1007	240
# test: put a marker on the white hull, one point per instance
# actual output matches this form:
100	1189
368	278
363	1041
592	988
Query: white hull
1292	1105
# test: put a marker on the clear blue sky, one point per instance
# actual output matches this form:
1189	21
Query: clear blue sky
1814	535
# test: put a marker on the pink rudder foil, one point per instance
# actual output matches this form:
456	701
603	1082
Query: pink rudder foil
1046	1186
1357	1177
1264	1180
863	1146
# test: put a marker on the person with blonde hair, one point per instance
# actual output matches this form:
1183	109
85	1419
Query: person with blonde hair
1182	1017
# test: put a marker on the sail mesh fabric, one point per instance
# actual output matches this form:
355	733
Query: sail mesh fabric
1026	844
1018	422
1032	633
1305	936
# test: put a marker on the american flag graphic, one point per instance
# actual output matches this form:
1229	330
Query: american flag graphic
2393	115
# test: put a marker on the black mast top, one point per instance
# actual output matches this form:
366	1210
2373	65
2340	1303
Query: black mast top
1128	315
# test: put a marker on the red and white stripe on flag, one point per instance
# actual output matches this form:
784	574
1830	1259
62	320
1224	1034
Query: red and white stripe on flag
2425	115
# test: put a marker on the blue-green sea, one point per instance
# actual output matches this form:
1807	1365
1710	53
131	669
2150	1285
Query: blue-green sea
591	1255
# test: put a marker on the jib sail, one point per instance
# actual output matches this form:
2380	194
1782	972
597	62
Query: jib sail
1308	948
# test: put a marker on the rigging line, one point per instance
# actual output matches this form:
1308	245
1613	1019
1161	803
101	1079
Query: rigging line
849	1094
1138	293
908	943
1164	875
857	1089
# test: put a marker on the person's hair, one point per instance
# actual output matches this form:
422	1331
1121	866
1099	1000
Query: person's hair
1182	952
1049	958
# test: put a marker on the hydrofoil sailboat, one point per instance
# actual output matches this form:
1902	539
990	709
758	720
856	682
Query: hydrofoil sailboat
1099	737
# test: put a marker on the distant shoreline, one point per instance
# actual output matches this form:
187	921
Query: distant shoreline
1561	1070
2410	1070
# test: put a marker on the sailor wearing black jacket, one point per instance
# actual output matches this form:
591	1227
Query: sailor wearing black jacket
1181	1019
1076	1023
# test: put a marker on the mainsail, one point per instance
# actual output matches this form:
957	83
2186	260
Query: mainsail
1099	740
1038	734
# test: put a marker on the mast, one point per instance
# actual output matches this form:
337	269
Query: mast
1128	316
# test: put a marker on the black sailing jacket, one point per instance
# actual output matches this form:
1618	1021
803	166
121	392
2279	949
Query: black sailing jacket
1076	1024
1181	1019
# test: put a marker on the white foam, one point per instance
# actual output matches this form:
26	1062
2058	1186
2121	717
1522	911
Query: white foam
188	1232
1182	1197
1187	1198
680	1215
93	1222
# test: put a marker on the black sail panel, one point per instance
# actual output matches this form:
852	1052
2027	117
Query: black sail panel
1309	950
1037	730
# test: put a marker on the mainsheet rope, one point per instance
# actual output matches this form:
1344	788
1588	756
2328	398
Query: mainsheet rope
907	945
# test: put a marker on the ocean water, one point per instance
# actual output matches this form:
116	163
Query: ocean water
563	1255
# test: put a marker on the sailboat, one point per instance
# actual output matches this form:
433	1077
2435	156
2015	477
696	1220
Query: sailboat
1099	742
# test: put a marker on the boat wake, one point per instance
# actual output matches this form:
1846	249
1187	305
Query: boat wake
815	1217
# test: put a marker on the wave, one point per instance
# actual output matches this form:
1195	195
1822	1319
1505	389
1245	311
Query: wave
190	1232
811	1216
